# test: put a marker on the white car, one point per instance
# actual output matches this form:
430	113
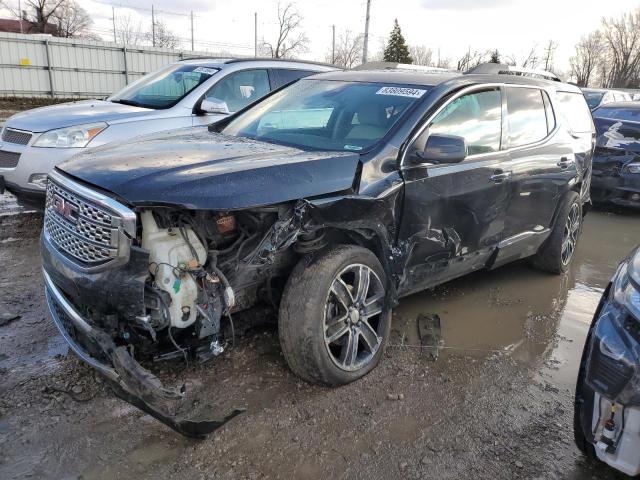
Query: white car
187	93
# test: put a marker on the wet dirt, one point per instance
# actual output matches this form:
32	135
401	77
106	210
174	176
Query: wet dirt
498	402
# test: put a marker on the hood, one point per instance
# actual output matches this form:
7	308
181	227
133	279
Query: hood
196	169
617	144
74	113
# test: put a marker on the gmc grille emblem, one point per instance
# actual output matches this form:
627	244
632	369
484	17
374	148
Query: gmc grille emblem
65	208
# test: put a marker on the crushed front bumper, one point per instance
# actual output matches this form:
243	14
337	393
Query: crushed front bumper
128	379
607	387
620	189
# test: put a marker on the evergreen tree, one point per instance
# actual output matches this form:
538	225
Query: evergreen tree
495	57
397	49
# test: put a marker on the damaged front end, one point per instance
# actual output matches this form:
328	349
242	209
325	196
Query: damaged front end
608	392
163	283
159	284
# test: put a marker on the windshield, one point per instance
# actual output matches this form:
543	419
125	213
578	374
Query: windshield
628	114
164	88
593	98
327	115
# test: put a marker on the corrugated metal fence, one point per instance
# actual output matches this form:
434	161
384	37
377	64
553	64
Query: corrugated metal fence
39	65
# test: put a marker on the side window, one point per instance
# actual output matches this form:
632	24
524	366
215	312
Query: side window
526	118
239	89
575	111
548	108
477	117
285	75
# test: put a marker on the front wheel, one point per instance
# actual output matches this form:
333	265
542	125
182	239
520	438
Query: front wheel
333	321
558	251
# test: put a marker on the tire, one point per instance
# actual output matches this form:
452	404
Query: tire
553	256
319	293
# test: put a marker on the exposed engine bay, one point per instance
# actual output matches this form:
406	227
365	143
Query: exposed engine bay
205	266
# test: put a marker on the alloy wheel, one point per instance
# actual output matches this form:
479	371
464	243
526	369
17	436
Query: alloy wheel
570	236
352	320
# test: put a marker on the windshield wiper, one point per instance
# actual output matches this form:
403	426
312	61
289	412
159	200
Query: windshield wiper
128	102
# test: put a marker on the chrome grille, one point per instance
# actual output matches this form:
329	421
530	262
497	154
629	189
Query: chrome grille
90	235
18	137
9	159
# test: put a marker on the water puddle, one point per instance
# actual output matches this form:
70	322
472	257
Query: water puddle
528	314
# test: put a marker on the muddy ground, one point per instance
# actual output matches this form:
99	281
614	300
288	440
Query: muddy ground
496	404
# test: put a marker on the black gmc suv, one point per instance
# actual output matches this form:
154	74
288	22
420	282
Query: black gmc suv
326	201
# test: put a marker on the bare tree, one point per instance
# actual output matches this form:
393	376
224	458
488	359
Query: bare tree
549	54
588	58
622	38
128	31
530	60
42	12
348	50
470	59
164	38
290	39
422	55
73	20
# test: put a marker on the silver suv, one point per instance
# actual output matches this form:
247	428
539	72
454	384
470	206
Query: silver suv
187	93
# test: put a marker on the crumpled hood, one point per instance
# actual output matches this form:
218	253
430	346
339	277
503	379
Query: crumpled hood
617	144
197	169
74	113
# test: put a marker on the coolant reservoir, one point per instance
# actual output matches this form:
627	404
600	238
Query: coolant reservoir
168	249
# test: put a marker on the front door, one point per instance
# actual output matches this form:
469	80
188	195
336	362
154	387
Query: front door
236	91
454	215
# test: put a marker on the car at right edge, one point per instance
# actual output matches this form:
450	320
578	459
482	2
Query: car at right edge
616	164
607	405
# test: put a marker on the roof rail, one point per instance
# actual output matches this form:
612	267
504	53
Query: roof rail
502	69
284	60
402	66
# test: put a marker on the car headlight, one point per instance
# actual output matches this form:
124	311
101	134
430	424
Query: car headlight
71	137
626	286
632	168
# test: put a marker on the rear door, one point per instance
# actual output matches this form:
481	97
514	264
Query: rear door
454	215
542	165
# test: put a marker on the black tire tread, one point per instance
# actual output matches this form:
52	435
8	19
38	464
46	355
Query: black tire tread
303	301
548	258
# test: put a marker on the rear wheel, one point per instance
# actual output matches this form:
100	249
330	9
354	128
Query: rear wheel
333	323
558	251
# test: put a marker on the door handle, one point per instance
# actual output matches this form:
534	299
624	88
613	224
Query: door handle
565	163
500	176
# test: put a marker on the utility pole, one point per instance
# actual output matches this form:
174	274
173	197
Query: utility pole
366	34
333	45
255	34
153	26
113	18
192	49
20	14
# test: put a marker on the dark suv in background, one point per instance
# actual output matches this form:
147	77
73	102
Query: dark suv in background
326	202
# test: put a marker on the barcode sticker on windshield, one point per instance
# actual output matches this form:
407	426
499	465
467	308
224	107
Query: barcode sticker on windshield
205	70
401	92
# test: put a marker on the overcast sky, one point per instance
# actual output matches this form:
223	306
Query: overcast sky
511	26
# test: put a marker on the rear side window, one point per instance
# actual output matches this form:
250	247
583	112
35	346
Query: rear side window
575	112
477	117
283	76
527	117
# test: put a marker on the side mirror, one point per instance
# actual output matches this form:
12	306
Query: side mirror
442	148
213	105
